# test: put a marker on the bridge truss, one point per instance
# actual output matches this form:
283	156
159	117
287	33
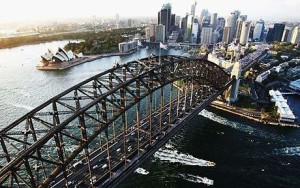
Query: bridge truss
100	130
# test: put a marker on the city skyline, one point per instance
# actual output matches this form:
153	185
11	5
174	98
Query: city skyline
14	11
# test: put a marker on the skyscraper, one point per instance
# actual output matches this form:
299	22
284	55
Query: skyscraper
231	22
270	35
177	20
164	17
278	31
204	13
295	38
220	23
226	34
245	32
206	35
147	32
188	31
152	32
258	30
160	33
239	25
286	36
193	9
195	31
213	20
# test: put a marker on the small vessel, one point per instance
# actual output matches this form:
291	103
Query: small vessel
141	171
207	181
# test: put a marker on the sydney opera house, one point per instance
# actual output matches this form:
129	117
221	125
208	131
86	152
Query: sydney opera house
60	56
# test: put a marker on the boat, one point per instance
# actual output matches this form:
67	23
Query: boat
207	181
141	171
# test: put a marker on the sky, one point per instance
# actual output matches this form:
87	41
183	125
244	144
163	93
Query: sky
41	10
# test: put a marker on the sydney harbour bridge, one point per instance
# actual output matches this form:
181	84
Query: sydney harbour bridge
97	132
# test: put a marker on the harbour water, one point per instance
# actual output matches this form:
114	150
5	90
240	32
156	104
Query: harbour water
230	151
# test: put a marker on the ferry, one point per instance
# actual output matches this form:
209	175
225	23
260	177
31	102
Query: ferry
141	171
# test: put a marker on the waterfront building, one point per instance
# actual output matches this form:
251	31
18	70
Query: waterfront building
125	47
60	56
283	109
160	33
164	17
213	20
258	30
245	33
206	35
295	38
226	34
295	85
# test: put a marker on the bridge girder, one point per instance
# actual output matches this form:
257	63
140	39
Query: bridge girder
43	144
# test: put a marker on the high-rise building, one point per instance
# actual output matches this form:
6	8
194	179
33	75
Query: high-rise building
152	32
215	37
213	20
206	35
269	37
226	34
245	33
206	21
129	23
193	9
278	31
286	36
239	25
231	22
117	20
147	32
195	31
295	39
177	21
188	31
183	24
160	33
173	20
220	23
258	30
164	17
203	14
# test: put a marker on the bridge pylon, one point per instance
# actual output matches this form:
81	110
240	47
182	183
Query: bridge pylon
231	94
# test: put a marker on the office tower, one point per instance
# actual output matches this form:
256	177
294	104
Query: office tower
295	38
206	21
206	35
147	32
183	24
278	31
164	17
220	23
231	22
215	37
226	34
245	33
204	13
193	9
213	20
286	34
259	30
270	35
173	20
152	32
188	31
129	22
239	25
160	31
243	17
177	21
117	20
195	28
251	31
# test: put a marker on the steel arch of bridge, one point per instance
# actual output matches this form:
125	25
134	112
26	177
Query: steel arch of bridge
79	124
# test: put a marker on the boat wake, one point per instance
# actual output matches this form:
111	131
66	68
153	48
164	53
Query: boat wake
141	171
239	126
173	156
196	179
288	151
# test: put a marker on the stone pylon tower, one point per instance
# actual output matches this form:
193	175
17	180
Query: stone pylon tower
231	94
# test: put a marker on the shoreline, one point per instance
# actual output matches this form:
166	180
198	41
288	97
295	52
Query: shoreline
78	61
251	115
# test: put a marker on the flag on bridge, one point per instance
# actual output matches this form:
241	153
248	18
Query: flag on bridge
161	45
